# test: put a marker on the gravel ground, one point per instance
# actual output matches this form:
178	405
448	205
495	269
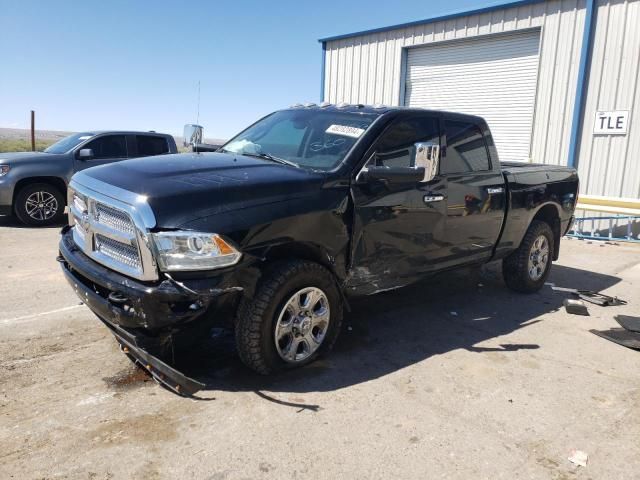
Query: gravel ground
453	378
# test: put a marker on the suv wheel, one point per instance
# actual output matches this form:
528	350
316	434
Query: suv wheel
526	269
39	204
295	315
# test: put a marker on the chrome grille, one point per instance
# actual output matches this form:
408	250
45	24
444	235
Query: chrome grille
114	218
111	226
118	251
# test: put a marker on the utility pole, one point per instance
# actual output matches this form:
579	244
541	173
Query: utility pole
198	115
33	131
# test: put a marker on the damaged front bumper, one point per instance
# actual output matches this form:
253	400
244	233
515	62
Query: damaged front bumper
146	318
173	379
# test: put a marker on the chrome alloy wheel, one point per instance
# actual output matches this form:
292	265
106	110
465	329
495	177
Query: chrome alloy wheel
302	325
538	258
41	206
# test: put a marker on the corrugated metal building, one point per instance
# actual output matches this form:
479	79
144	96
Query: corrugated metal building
558	82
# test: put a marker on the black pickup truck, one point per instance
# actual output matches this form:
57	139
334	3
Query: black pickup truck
307	207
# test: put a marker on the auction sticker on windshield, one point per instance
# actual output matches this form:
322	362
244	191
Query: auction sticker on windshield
345	130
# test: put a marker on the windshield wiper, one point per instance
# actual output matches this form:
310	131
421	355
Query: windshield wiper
268	156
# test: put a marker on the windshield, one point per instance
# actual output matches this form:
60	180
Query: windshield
67	143
316	139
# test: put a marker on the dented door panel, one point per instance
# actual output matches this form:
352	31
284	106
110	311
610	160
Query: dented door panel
397	235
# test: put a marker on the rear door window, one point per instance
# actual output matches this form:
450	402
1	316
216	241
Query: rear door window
151	145
108	146
466	149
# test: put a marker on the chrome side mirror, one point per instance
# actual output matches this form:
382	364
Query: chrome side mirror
192	135
427	156
85	154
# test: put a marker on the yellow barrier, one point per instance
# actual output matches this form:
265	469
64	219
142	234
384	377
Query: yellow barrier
622	206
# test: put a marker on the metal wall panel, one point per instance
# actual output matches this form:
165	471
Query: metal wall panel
377	78
610	165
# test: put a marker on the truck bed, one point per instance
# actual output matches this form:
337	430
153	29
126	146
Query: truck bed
529	186
522	175
523	167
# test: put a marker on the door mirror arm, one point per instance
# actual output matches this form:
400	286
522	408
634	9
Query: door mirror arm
425	161
427	156
391	174
85	154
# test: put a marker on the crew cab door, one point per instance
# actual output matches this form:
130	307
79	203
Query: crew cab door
398	231
146	145
104	149
476	193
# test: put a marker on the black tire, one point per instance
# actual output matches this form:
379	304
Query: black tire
515	267
257	317
44	216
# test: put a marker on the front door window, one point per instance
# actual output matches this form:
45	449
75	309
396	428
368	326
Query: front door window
108	147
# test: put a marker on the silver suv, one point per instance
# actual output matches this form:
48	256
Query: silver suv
33	184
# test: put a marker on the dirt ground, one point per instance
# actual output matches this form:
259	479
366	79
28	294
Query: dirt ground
453	378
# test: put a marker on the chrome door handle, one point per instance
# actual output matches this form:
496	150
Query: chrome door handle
433	198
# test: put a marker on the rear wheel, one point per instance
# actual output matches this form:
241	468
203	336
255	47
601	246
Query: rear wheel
527	268
39	204
295	315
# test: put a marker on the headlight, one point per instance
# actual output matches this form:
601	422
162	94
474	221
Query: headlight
4	169
193	251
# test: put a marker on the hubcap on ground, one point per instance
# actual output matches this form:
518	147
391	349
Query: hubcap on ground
302	324
41	206
538	258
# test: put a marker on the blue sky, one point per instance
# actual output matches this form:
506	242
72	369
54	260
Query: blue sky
136	64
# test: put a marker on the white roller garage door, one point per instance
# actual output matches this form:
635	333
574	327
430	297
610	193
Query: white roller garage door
494	77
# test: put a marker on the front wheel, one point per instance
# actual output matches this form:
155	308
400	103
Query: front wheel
526	269
39	204
295	315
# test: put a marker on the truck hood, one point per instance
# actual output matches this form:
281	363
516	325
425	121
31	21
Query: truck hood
181	188
14	158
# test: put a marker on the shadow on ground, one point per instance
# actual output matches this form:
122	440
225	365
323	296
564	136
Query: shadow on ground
387	332
11	221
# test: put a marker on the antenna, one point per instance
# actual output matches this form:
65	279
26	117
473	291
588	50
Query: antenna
198	115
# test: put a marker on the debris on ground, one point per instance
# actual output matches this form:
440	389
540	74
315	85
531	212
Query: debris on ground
578	457
455	314
627	336
628	322
590	296
562	289
600	299
620	336
575	307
